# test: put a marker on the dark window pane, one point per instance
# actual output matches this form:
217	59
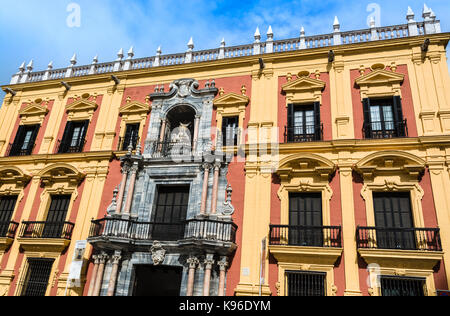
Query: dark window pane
37	277
397	286
305	283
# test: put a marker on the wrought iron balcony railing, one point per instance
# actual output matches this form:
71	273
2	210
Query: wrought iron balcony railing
52	230
427	239
147	231
16	150
171	149
67	147
387	129
306	236
300	134
8	229
124	143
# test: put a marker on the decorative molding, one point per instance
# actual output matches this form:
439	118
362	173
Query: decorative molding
82	108
158	253
33	113
380	83
61	172
304	89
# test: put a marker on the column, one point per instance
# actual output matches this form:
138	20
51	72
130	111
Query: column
101	270
440	183
215	188
134	170
162	134
123	183
206	167
112	281
196	132
193	262
94	275
209	261
352	287
223	264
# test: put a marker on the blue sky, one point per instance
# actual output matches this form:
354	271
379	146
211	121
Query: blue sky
38	30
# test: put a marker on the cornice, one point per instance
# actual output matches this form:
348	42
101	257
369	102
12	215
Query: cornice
56	158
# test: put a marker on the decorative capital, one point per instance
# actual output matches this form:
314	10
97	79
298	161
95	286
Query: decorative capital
193	262
223	264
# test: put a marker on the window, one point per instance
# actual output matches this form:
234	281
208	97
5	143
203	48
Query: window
230	130
74	137
305	283
131	136
383	118
305	219
25	140
7	205
170	212
400	286
303	123
394	221
36	279
56	216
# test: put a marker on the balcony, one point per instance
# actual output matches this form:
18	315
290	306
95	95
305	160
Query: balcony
171	149
305	244
52	236
125	142
385	130
194	230
68	147
306	236
15	150
297	134
405	248
7	234
425	239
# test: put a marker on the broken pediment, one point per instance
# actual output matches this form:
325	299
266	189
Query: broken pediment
13	175
61	173
390	162
302	165
33	109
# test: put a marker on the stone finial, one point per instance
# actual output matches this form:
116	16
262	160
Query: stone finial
73	60
243	90
207	84
302	38
289	77
410	15
95	60
159	51
432	15
213	84
120	54
302	32
131	53
426	13
372	22
270	32
336	24
22	67
156	89
139	149
257	35
222	43
50	65
30	66
221	91
191	45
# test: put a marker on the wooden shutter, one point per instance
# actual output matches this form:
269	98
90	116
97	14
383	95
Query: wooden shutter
367	118
83	137
66	139
290	123
20	136
317	121
398	116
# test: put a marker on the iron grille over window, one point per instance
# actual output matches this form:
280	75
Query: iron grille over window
230	130
25	140
304	123
400	286
36	278
305	283
383	118
74	137
131	136
171	209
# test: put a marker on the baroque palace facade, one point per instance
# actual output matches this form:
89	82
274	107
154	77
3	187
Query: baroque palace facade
318	165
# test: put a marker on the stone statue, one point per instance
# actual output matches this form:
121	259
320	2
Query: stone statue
181	134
